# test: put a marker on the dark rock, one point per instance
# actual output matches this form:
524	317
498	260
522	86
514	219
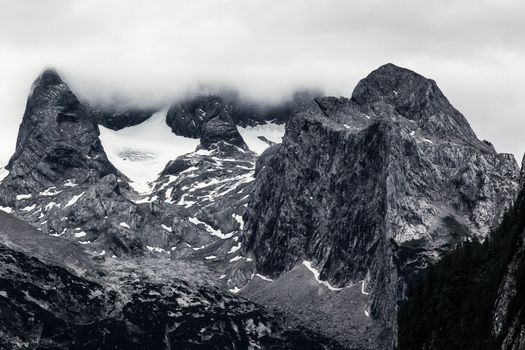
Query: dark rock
478	284
43	305
116	119
188	118
221	128
57	141
373	188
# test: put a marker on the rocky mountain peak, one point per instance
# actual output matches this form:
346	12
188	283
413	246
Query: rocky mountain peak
49	76
221	128
57	141
394	85
418	99
375	187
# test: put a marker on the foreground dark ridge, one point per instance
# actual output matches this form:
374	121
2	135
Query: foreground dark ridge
46	305
475	294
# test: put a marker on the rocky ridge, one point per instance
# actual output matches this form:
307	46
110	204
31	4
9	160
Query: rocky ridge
376	187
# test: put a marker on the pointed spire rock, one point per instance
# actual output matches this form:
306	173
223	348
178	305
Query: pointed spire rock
57	141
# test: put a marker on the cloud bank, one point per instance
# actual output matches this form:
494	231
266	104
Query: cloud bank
151	52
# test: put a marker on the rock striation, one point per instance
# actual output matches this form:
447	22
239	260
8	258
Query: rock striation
376	187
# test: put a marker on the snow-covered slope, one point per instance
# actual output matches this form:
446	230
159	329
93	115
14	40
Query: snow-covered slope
272	132
142	151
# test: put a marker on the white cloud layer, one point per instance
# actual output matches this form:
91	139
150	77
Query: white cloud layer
153	51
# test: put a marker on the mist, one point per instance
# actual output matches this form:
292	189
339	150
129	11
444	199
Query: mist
150	53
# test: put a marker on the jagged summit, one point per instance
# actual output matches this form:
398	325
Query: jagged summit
392	84
418	99
57	141
49	76
221	128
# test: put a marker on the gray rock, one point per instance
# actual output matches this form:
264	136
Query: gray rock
221	128
57	141
376	187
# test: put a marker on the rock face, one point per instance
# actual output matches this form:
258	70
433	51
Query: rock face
57	141
479	285
116	119
375	187
221	128
188	118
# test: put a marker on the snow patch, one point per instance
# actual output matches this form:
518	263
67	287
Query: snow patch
234	248
69	183
239	219
210	229
235	258
51	191
142	151
74	200
23	196
80	234
271	131
29	208
123	224
167	228
264	277
211	257
155	249
50	205
6	209
309	266
363	288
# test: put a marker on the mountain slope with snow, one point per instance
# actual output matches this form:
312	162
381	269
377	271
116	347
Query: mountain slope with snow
142	151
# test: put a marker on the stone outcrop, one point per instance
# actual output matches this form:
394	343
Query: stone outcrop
116	119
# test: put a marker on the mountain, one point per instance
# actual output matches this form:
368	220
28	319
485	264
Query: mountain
57	141
149	222
172	197
375	188
119	118
475	294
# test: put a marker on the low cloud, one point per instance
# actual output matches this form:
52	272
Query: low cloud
151	52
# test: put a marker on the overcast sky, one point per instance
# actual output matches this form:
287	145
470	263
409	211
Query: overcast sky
153	51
